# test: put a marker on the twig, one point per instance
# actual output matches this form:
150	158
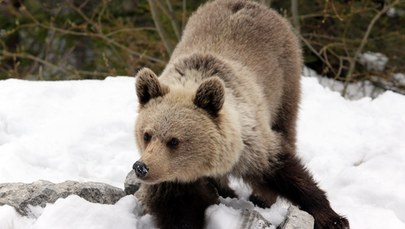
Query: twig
47	63
32	57
169	13
353	60
313	50
183	14
97	27
103	37
159	27
295	15
124	30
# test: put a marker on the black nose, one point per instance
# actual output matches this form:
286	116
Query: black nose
140	169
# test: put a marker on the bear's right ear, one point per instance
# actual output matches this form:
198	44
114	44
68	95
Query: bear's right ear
210	95
148	86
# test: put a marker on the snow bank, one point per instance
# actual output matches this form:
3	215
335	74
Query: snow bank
74	212
356	150
77	130
82	130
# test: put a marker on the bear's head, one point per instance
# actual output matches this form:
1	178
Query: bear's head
180	132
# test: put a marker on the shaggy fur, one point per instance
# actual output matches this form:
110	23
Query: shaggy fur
226	104
180	205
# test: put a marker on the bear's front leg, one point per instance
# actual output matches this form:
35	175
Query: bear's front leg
180	205
221	185
292	181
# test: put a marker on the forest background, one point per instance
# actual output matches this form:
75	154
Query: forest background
76	39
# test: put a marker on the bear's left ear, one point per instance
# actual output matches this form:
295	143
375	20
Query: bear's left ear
210	95
148	86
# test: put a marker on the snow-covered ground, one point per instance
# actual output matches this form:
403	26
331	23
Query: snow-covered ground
82	130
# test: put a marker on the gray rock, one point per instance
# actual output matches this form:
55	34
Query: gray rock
131	184
252	219
297	219
39	193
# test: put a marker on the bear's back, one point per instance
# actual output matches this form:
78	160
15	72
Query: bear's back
242	31
257	38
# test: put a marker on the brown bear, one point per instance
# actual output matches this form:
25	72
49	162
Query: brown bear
226	104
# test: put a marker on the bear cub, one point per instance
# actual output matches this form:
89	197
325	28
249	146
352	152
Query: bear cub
225	105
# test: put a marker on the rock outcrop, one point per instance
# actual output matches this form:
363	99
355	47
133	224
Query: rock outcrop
297	219
39	193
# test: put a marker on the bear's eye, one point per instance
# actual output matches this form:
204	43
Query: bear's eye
173	143
147	137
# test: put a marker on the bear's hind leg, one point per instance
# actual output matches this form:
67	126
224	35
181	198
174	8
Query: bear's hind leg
292	181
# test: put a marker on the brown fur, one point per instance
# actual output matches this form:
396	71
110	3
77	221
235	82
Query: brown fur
228	99
180	205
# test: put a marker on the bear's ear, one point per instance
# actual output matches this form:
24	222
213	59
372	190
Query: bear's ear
148	86
210	95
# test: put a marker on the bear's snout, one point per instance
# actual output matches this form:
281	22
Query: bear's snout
140	169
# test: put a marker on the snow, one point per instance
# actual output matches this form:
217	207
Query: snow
80	130
373	61
391	12
395	12
73	208
400	78
355	90
75	212
365	142
83	130
230	209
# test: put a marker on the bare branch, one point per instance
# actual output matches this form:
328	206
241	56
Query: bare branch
295	15
170	14
313	50
49	64
103	37
87	19
370	26
159	26
184	14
